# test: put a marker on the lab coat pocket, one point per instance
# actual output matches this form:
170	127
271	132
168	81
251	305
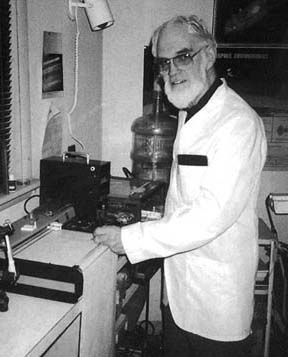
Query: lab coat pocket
190	171
192	160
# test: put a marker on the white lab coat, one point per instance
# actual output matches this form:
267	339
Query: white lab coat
209	230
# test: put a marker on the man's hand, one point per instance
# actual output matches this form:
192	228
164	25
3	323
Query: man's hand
110	236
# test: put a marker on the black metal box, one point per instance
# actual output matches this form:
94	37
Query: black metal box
75	181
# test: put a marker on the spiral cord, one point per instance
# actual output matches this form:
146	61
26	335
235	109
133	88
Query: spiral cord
76	78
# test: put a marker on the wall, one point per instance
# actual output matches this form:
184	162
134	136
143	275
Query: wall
123	49
51	15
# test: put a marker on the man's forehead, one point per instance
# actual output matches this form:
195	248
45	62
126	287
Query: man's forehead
174	38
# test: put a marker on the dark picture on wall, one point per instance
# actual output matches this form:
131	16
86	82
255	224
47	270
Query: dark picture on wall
252	54
251	22
260	73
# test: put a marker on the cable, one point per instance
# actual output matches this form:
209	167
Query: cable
70	111
147	323
76	64
25	203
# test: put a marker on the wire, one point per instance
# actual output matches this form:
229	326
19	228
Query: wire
71	110
147	323
25	203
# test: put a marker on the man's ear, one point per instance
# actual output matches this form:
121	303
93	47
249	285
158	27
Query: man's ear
211	54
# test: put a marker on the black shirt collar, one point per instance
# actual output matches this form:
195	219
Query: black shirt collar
203	100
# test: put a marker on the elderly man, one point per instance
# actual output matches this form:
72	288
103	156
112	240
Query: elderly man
208	234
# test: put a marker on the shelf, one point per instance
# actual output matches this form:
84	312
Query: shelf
21	193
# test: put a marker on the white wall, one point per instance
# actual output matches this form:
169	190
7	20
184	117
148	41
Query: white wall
122	80
51	15
123	49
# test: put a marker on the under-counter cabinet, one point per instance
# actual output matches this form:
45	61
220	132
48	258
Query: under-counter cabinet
36	326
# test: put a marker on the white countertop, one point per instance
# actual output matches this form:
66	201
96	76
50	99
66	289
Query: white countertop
32	324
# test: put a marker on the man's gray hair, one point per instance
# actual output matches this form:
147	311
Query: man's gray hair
194	26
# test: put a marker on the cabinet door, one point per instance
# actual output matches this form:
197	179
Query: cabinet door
67	343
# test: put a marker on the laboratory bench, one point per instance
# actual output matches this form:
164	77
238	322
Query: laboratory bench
67	300
57	316
39	325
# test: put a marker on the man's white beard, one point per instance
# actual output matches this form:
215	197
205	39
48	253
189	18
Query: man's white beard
179	98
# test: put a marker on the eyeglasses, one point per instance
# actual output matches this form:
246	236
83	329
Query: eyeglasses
179	61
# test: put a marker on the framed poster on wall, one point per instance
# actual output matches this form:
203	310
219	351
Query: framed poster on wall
251	23
252	40
252	55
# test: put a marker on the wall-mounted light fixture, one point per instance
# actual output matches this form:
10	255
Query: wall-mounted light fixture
98	13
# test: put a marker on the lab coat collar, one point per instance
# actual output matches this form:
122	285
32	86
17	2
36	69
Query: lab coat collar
203	100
